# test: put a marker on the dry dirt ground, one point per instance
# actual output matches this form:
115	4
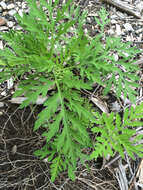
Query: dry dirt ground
21	170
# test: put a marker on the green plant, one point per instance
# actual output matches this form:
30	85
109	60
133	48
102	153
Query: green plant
118	135
54	58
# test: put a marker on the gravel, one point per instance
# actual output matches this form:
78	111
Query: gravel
7	11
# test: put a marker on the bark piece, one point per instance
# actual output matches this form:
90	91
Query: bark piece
20	100
123	7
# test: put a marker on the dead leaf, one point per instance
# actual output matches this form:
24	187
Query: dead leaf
103	107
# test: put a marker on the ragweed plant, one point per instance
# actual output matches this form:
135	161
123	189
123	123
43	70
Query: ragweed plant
58	59
118	134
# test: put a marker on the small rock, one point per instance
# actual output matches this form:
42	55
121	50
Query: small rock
116	107
3	28
10	6
126	101
88	20
24	6
1	113
14	149
3	5
129	38
139	30
3	93
1	104
12	12
19	4
17	8
113	21
128	27
2	21
114	17
116	57
10	24
20	12
140	6
45	160
126	54
17	28
111	32
4	13
118	30
84	174
139	38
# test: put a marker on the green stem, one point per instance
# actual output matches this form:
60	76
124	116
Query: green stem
62	108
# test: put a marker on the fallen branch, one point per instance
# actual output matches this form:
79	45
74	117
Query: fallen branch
123	7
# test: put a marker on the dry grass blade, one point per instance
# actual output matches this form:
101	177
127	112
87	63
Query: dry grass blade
121	177
140	174
103	107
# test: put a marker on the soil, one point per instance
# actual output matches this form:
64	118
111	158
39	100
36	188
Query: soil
20	169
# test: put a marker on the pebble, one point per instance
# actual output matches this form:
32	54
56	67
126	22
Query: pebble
20	12
10	24
3	93
140	6
10	6
19	4
3	28
116	57
17	8
114	17
139	30
3	5
118	30
17	27
4	13
1	113
128	27
113	21
24	5
111	32
12	12
1	104
116	107
2	21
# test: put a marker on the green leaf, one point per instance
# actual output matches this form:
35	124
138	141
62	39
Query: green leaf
118	135
71	173
45	115
53	128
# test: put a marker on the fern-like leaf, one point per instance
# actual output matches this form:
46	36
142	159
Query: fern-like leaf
117	134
